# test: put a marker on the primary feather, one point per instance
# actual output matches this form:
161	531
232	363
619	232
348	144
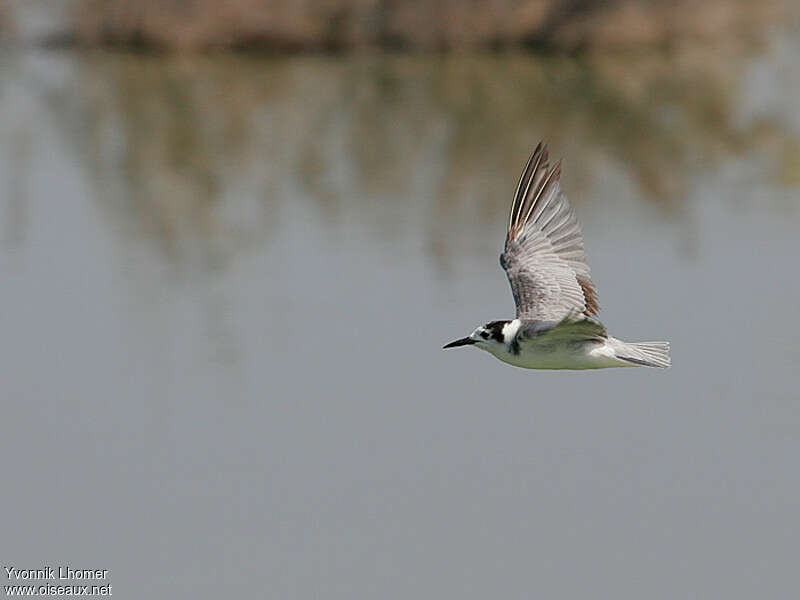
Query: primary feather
544	257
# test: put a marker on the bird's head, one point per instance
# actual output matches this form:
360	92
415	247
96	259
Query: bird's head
491	336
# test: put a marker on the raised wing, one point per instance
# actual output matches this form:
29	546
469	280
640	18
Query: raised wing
544	258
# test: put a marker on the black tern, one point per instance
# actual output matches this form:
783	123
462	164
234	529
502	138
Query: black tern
556	326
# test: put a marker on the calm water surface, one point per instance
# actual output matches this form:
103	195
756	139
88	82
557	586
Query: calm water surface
226	282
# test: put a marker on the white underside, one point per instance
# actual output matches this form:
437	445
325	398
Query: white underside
562	356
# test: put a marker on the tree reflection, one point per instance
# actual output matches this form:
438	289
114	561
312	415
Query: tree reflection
208	150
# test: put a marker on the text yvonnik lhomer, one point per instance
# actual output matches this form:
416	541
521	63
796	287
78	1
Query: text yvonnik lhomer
59	574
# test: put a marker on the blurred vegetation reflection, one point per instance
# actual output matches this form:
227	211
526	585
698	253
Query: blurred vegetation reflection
210	149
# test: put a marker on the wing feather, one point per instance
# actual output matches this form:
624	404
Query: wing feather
544	256
565	330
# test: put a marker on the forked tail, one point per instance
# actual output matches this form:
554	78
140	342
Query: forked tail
645	354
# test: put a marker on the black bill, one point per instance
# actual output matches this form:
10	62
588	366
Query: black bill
462	342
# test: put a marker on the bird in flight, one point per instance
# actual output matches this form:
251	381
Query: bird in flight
556	326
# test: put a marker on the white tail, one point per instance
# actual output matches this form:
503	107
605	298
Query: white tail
646	354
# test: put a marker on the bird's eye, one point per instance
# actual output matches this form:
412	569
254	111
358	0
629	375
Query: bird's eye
485	335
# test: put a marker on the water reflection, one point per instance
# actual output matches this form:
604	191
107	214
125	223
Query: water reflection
199	159
202	152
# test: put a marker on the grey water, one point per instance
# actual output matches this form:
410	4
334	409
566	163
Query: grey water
225	283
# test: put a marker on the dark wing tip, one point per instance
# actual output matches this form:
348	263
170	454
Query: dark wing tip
555	172
535	180
536	161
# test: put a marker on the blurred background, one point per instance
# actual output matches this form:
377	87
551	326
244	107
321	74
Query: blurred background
234	236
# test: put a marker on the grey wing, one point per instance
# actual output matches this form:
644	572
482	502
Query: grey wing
567	330
544	257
